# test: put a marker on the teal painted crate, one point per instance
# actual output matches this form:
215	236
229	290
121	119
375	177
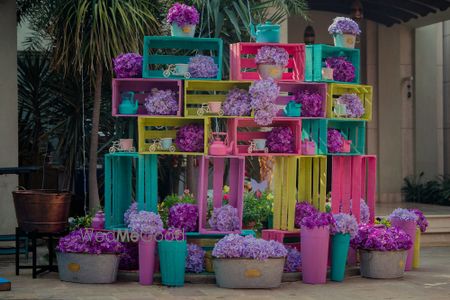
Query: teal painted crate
122	169
315	58
162	51
315	130
351	130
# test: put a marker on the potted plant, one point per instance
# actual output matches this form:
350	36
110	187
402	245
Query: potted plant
161	102
312	103
257	209
88	256
171	200
293	261
281	140
237	103
406	220
271	61
336	142
190	138
195	259
343	229
248	262
172	250
224	219
183	20
148	226
344	31
263	94
128	65
422	224
314	244
201	66
343	70
382	250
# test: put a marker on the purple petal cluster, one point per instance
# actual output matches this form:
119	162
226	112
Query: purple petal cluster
344	223
318	219
146	223
195	260
129	259
161	102
224	218
312	103
128	65
422	222
354	106
237	103
183	216
133	209
263	94
303	209
335	140
236	246
89	241
381	238
201	66
293	260
343	25
190	138
182	15
364	212
403	214
281	140
343	70
272	56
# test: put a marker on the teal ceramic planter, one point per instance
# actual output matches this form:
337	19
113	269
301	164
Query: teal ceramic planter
339	252
172	261
183	31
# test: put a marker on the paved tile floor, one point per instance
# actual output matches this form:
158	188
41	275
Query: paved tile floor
384	209
431	282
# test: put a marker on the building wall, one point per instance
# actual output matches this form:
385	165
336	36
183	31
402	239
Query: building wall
446	100
8	113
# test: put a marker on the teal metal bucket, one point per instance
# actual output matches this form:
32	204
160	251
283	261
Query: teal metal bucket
172	261
339	252
184	31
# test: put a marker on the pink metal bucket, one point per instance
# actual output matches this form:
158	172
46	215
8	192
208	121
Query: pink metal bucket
314	245
215	107
147	248
126	144
410	228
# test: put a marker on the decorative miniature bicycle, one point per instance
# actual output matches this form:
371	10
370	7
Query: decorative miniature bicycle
177	70
122	145
163	144
258	146
210	108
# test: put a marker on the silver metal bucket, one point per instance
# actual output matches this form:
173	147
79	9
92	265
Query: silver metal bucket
382	264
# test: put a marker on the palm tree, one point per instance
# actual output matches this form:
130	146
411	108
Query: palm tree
86	36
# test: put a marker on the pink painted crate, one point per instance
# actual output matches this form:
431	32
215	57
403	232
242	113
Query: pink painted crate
281	236
242	130
141	88
243	66
235	182
289	89
353	178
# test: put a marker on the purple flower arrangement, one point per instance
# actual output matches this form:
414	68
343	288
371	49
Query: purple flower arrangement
293	260
344	224
422	222
190	138
335	140
133	209
161	102
183	216
128	65
224	218
312	103
364	212
183	15
342	25
403	214
237	103
263	94
236	246
195	259
272	56
129	259
343	70
146	223
318	219
302	210
201	66
89	241
381	238
354	106
281	140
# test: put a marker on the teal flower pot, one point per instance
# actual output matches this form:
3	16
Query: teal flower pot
172	262
184	31
340	244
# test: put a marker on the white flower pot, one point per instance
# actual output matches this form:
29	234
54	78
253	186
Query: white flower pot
270	71
344	40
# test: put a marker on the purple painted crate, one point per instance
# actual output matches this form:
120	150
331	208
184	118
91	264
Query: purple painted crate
289	89
141	88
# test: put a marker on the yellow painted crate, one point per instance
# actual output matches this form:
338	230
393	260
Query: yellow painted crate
151	129
297	179
364	92
200	92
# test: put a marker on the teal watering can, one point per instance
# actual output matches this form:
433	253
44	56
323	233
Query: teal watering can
265	33
293	109
128	105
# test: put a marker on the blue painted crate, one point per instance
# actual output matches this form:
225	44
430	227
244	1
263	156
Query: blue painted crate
161	51
354	131
315	58
315	130
121	170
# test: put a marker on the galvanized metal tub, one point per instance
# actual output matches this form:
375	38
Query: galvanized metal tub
382	264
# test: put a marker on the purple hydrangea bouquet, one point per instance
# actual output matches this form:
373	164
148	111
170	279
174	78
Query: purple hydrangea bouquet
128	65
224	218
303	209
422	221
133	209
403	214
146	223
293	260
317	219
237	103
183	216
190	138
281	140
344	31
195	259
201	66
89	241
263	94
335	140
183	19
161	102
353	105
271	62
344	224
343	70
364	211
312	103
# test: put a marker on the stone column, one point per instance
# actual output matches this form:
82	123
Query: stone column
446	70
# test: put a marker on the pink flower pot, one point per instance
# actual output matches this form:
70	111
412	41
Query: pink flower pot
147	248
410	228
346	146
314	245
270	71
308	148
215	106
126	144
327	73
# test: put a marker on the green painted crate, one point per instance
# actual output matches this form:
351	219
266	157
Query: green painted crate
351	130
162	51
315	130
315	58
122	169
364	92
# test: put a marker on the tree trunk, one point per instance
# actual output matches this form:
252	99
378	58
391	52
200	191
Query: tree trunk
94	200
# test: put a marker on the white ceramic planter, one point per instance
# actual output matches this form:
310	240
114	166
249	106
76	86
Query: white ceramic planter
345	40
382	264
270	71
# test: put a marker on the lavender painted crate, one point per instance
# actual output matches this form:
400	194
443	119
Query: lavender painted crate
142	88
235	182
289	89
